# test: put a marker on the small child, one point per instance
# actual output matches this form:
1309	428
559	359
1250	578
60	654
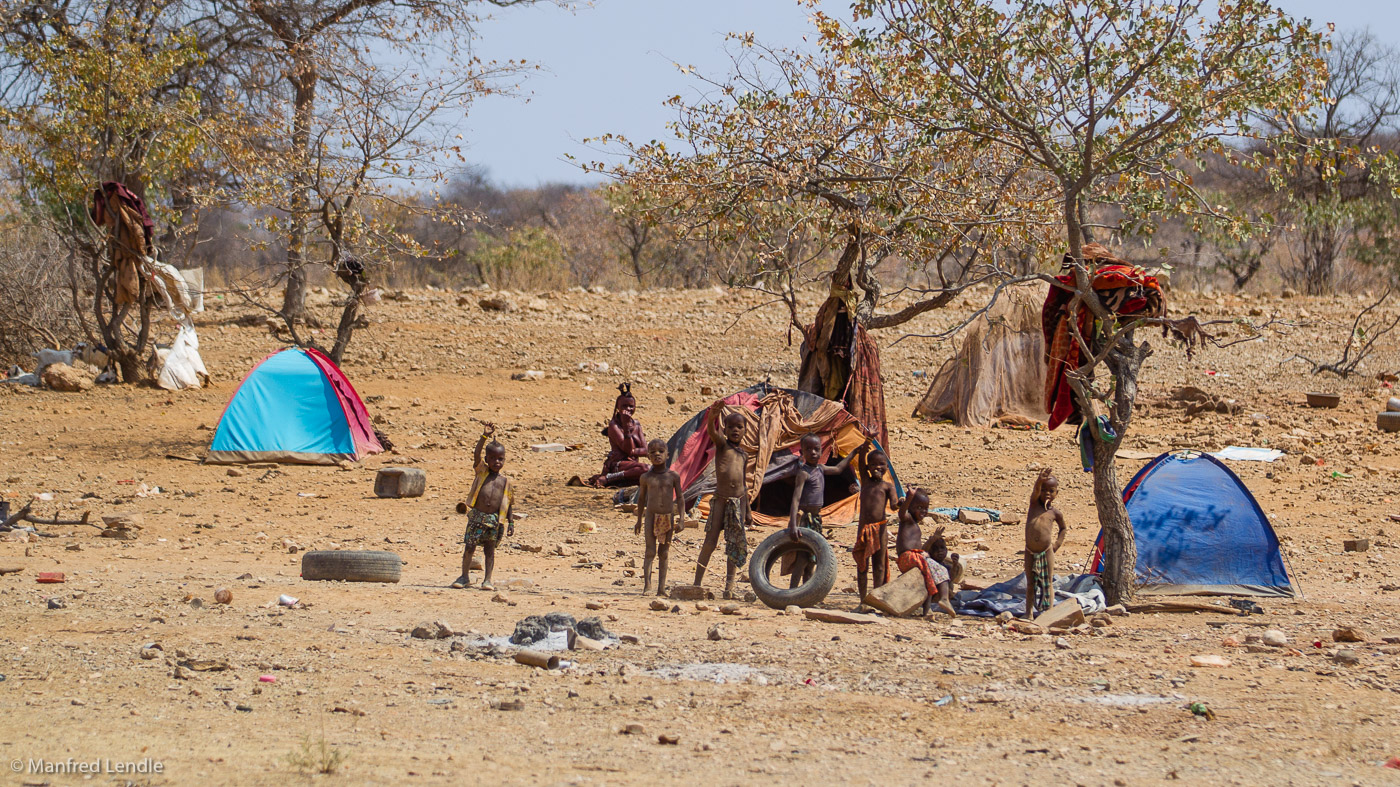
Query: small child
809	497
877	497
659	501
910	545
1041	518
729	508
491	500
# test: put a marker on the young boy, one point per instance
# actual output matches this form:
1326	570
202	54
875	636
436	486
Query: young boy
877	498
910	545
729	508
659	501
809	497
491	508
1041	518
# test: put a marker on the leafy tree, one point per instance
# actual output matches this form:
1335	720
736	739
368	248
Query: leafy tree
1102	99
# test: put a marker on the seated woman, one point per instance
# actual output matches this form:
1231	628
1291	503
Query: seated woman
627	459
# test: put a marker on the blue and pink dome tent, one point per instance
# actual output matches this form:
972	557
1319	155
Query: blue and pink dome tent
295	406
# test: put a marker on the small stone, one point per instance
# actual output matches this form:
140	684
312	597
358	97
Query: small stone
970	517
688	593
1346	656
223	596
501	598
1308	459
595	605
720	631
1101	621
1117	611
1230	642
1210	660
150	654
668	740
792	609
434	630
1348	634
1356	545
1026	627
1274	638
55	602
77	702
632	729
1062	644
1003	617
730	609
657	605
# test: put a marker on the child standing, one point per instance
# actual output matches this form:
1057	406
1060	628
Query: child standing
729	508
659	502
877	498
809	497
490	508
1041	519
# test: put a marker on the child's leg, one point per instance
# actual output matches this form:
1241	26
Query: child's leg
1030	585
861	576
465	578
707	549
649	533
664	553
799	566
945	591
881	562
729	579
488	557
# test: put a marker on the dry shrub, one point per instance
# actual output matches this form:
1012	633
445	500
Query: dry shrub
36	298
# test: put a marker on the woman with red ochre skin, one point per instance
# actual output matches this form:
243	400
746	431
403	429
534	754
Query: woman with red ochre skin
627	457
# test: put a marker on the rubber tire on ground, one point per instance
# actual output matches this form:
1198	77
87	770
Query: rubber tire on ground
351	566
1388	422
809	594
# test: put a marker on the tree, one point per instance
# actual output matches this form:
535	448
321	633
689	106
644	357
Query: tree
1102	99
100	104
1341	160
328	153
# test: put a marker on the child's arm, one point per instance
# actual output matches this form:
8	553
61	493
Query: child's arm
714	425
641	503
799	480
840	467
1035	488
680	497
510	516
487	430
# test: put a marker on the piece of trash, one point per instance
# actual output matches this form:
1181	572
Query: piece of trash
1200	709
549	447
50	577
286	600
1246	606
1340	474
938	703
1393	762
1209	660
267	678
1242	453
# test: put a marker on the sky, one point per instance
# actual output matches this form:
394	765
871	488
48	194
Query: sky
609	66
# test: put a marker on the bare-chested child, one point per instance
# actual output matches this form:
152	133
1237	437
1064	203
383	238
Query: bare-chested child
809	496
877	499
729	508
490	509
1041	520
660	504
910	545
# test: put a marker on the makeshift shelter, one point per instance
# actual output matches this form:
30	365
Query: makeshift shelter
1199	531
841	362
777	419
294	406
998	370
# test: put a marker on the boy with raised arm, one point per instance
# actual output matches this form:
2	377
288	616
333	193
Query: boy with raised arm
809	497
729	508
660	503
490	508
1041	519
910	545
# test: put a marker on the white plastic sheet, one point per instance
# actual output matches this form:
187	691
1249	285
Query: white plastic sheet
182	367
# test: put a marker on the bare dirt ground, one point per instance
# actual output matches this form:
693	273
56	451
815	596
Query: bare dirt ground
787	700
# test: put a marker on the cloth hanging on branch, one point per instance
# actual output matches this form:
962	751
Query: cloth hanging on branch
1124	289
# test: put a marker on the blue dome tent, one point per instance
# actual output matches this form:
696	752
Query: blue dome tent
1199	531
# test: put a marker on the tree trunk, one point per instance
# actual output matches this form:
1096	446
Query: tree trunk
1074	233
348	317
1319	259
303	78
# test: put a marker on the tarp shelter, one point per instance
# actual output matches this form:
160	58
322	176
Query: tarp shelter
294	406
1199	531
998	369
777	419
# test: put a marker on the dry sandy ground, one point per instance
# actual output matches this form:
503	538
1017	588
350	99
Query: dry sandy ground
797	701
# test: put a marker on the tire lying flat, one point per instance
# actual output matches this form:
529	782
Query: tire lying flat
351	566
772	549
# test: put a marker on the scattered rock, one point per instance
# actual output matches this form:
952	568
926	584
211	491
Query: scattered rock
1065	614
1274	638
689	593
435	630
1356	545
396	482
493	304
668	740
720	631
730	609
595	605
1117	611
65	378
1062	644
1026	627
632	729
529	631
501	598
837	616
223	596
1348	634
1346	656
529	376
234	472
55	602
970	517
1210	661
792	609
592	628
657	605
